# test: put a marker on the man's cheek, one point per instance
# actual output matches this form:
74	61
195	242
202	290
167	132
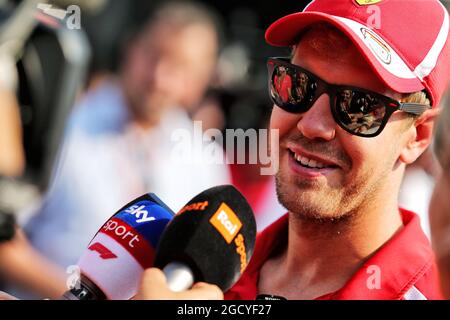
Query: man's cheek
283	121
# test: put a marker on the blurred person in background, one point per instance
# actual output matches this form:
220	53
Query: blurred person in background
19	262
417	187
119	141
440	203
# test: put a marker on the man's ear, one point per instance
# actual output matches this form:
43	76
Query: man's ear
419	136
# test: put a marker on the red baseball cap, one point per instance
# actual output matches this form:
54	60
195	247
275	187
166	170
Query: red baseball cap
406	42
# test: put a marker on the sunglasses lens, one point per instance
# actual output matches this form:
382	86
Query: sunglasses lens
291	89
360	112
295	90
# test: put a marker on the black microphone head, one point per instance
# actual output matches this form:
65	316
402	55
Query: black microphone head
214	234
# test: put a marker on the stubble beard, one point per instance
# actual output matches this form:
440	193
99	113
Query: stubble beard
308	201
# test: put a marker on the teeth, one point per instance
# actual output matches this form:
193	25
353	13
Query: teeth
304	161
313	164
309	162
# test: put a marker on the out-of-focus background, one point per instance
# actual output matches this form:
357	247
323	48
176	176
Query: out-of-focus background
101	86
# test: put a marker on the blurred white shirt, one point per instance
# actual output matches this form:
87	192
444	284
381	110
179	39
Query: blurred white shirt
105	164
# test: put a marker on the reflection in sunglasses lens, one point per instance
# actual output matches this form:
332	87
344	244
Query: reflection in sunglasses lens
360	112
282	85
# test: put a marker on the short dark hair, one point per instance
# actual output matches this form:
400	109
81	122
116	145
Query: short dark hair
181	14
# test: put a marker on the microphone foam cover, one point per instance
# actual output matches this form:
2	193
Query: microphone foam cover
214	234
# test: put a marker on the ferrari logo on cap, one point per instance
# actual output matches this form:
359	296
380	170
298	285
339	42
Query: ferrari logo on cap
367	2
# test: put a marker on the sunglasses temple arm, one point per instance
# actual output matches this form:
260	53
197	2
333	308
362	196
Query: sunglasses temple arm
414	108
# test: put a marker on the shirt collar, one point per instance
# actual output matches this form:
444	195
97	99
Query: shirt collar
398	263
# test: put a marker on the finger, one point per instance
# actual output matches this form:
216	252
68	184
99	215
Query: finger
153	286
202	291
154	276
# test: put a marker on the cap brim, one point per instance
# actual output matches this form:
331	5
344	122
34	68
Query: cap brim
287	30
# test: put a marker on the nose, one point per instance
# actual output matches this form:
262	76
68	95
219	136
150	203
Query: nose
161	78
318	121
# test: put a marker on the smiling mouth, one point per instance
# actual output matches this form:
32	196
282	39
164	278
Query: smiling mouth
310	163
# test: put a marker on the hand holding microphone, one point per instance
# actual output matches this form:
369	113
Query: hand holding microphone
154	287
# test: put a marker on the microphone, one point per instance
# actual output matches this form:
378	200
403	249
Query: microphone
211	239
269	297
121	250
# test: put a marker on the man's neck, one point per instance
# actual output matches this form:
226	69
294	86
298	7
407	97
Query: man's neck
322	256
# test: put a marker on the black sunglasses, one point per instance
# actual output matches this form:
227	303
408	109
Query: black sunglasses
356	110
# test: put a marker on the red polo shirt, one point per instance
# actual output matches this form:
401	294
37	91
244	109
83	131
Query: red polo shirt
283	87
406	264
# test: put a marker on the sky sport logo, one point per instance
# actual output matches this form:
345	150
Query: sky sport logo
72	15
140	214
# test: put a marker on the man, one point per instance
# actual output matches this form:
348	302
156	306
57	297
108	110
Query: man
345	100
344	236
301	87
120	142
283	85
